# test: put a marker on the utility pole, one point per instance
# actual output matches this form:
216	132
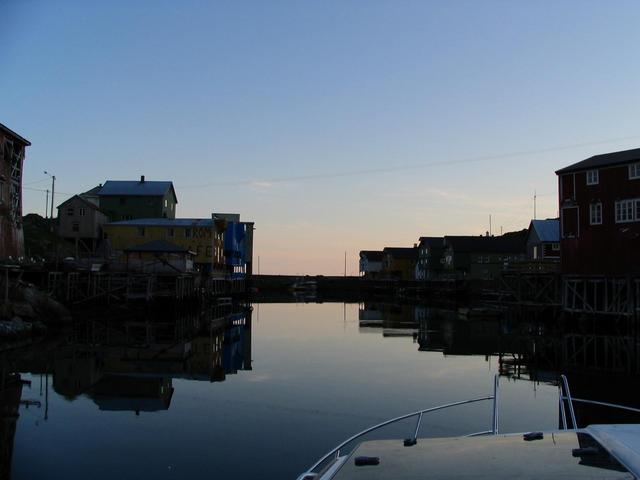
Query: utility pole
489	224
345	263
534	204
53	189
46	205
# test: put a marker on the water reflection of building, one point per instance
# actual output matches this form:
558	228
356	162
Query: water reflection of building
388	319
131	365
132	393
10	394
601	364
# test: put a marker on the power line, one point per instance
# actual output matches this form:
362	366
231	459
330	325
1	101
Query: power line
45	190
348	173
37	181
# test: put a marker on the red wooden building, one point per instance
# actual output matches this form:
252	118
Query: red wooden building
12	147
600	214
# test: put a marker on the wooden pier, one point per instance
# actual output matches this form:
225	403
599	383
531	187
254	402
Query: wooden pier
84	286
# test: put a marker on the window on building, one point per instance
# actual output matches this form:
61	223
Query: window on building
75	227
166	203
634	170
570	222
70	211
555	247
82	211
595	214
625	211
592	177
209	249
187	232
170	232
141	231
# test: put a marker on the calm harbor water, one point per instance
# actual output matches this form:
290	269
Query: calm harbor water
263	397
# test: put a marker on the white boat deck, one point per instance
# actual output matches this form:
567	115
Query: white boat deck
501	456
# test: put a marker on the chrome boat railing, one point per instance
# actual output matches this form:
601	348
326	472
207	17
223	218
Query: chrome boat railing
335	452
564	395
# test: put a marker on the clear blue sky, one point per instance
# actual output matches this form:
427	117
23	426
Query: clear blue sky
227	99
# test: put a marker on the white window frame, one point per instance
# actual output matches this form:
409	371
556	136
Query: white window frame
555	246
625	211
593	177
82	211
634	171
70	211
595	214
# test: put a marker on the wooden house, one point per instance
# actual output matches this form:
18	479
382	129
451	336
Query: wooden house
543	240
12	153
220	245
482	257
398	263
80	220
429	265
370	263
599	201
159	256
130	200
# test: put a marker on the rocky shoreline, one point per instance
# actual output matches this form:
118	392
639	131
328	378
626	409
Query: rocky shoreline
28	313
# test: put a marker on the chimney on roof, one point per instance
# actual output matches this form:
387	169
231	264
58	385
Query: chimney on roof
141	178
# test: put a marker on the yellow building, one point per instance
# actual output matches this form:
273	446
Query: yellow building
202	236
399	263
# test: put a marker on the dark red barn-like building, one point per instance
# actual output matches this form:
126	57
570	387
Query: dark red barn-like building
12	148
600	215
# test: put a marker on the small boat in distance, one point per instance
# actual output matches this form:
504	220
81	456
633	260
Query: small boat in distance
610	451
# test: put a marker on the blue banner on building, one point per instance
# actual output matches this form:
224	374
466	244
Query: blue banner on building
235	244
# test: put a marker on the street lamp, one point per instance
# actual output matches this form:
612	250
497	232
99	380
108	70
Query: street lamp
53	189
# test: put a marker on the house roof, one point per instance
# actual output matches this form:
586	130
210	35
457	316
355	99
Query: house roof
401	252
93	191
432	241
513	242
603	160
547	230
372	255
83	200
159	246
8	131
136	188
166	222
